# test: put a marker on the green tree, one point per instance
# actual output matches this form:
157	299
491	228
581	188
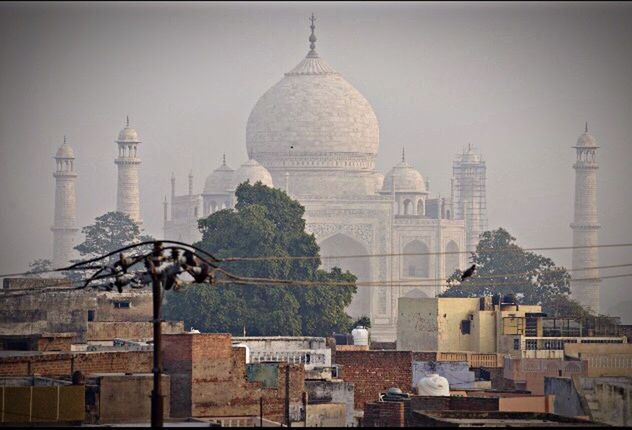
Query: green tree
503	267
265	222
39	265
363	321
110	231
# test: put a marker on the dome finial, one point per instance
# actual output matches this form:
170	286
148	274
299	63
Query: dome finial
64	139
312	38
586	128
126	120
223	159
403	154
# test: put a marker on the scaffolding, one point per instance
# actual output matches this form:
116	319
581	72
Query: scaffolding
468	194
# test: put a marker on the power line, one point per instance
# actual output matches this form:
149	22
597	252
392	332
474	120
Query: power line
77	266
272	281
425	282
492	250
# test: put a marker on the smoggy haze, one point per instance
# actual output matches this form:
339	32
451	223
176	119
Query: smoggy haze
516	80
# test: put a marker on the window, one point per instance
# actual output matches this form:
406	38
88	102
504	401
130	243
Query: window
121	305
91	315
531	327
465	326
516	343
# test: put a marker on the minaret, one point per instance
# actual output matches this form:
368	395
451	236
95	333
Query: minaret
468	194
585	224
65	223
128	194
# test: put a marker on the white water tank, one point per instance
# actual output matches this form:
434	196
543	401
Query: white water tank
360	336
433	385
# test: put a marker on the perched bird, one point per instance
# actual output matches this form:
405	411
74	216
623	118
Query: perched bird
469	272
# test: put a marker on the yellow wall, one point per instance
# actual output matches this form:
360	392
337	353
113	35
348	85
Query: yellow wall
40	404
434	324
450	313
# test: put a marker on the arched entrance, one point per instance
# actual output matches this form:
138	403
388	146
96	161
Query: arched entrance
342	245
416	261
451	258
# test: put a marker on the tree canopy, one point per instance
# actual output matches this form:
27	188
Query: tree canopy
503	267
265	222
39	265
110	231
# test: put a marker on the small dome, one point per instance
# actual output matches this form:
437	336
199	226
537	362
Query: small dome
253	172
406	179
65	151
128	134
220	180
586	141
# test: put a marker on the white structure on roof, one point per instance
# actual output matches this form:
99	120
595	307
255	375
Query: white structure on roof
65	222
128	192
585	224
315	136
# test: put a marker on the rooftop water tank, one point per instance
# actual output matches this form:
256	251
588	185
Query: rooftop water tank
433	385
360	336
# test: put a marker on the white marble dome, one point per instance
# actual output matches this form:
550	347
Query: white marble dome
405	179
220	180
313	118
65	151
251	171
586	141
128	134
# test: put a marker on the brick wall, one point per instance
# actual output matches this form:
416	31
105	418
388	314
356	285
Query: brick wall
209	378
384	414
373	372
454	403
108	330
64	363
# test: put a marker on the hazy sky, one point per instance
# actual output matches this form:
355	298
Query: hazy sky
516	80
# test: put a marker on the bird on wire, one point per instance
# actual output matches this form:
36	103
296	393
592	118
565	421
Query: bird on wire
469	272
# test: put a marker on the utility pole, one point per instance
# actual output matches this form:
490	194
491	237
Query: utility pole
162	271
287	395
156	394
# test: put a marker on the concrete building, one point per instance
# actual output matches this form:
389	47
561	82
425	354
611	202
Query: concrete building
128	163
604	399
312	352
478	324
84	314
65	223
315	136
585	223
122	397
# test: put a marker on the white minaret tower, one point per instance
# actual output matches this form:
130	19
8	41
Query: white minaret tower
585	224
128	194
65	223
468	194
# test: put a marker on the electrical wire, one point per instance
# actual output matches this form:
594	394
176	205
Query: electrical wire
400	254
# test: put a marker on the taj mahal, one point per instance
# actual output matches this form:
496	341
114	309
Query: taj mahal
313	135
